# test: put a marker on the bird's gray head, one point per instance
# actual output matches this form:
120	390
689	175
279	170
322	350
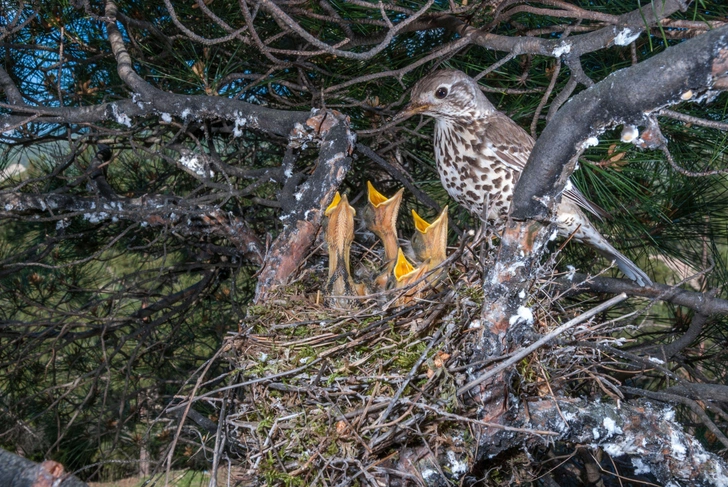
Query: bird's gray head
448	94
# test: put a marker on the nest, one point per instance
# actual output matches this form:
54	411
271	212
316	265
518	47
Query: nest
327	395
332	394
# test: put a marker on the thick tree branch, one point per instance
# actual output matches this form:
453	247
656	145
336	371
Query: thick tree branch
303	222
150	101
628	25
678	399
11	90
17	471
701	392
623	97
153	210
643	433
638	429
702	303
160	103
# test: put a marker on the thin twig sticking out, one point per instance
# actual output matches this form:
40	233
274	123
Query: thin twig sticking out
530	349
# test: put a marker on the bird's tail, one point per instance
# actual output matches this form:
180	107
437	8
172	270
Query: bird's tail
573	223
625	265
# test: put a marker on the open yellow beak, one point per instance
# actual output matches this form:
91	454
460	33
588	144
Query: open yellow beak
380	216
339	236
377	199
430	239
334	203
406	274
403	268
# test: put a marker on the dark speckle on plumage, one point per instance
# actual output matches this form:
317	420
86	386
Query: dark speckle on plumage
480	154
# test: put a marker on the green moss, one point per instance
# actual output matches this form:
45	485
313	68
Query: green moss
407	359
273	474
475	293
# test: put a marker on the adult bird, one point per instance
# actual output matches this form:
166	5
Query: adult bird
480	154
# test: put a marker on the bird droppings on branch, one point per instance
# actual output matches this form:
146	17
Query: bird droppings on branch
524	314
121	117
590	142
561	49
212	181
240	123
192	163
625	37
96	217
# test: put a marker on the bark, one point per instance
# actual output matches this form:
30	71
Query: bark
702	303
154	210
636	21
645	433
17	471
304	216
626	96
148	101
623	97
644	437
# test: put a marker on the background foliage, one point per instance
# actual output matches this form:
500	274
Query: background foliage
86	372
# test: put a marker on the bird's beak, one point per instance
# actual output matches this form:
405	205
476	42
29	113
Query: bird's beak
412	109
339	236
406	274
430	239
380	216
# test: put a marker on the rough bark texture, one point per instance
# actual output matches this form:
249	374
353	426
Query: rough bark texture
303	221
154	210
636	21
642	436
623	97
646	433
700	302
17	471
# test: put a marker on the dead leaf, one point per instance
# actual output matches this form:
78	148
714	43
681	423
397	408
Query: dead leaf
199	69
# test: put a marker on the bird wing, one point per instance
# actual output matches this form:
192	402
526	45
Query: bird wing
507	140
513	145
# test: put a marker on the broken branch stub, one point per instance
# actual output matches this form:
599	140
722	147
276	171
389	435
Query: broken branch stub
331	130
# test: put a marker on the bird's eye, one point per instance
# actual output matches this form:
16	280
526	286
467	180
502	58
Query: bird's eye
441	92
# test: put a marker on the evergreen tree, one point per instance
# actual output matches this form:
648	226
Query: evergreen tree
167	168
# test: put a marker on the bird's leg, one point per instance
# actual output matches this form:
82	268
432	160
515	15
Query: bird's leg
490	227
